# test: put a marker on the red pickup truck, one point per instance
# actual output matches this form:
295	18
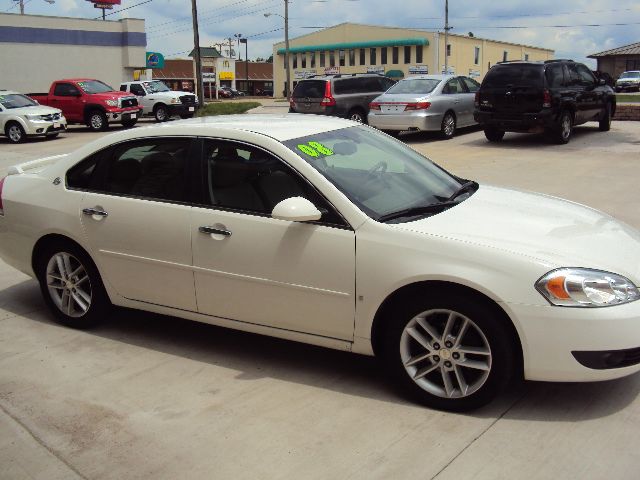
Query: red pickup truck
91	102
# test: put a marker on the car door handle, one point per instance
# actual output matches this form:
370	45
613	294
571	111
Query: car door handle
214	231
94	211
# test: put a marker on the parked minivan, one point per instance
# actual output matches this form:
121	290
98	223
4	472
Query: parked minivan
341	95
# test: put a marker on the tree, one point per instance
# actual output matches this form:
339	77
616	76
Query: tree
270	59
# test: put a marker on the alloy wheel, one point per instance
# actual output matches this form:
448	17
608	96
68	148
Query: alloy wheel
15	133
68	284
445	353
97	122
566	126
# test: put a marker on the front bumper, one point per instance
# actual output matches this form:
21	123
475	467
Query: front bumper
517	122
119	115
45	127
181	109
423	120
557	340
627	86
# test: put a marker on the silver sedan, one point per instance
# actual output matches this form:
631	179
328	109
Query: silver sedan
426	102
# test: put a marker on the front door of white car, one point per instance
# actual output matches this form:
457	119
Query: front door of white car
253	268
136	220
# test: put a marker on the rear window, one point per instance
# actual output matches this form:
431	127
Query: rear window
514	76
419	86
630	75
310	88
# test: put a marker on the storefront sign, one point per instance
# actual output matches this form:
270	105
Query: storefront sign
379	70
474	73
332	70
418	69
226	75
302	74
208	75
155	60
452	70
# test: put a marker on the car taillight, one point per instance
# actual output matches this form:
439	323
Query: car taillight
476	99
374	106
328	100
292	103
546	98
1	185
417	106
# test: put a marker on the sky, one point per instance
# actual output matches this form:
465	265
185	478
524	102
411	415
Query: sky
573	28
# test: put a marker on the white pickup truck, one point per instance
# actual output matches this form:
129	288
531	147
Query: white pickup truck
160	101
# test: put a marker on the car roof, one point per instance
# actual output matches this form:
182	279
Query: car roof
430	77
281	127
10	92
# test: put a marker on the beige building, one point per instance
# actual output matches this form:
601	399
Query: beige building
395	52
36	50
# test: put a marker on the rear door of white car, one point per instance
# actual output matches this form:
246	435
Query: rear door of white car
136	217
252	268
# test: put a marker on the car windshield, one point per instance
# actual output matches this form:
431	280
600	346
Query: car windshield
155	87
380	175
15	100
415	85
94	86
630	75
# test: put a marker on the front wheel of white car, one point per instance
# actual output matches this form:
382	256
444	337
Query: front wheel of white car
71	285
449	353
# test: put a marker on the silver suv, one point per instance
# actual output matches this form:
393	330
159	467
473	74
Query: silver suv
341	95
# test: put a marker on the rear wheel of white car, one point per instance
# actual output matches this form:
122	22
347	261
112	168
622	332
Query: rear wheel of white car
357	115
15	133
160	113
448	126
71	285
449	353
97	121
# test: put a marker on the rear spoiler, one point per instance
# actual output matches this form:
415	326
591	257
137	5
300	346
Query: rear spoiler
33	164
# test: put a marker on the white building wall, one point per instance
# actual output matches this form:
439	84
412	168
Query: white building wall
35	50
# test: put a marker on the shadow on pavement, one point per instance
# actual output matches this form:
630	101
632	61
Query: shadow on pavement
258	356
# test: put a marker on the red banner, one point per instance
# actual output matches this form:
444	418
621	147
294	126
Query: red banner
105	2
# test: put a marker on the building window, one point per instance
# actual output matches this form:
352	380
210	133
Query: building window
312	59
363	56
418	53
372	56
505	55
332	58
322	59
303	59
341	57
352	57
526	57
383	56
476	56
407	54
395	54
295	60
448	50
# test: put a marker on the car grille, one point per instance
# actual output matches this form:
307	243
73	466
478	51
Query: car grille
128	102
51	116
188	99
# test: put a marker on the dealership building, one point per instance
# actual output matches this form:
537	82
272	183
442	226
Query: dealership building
394	52
36	50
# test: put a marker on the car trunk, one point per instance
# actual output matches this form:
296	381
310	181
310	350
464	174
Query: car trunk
511	89
308	95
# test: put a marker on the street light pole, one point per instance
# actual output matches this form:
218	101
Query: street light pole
446	37
286	47
246	59
196	54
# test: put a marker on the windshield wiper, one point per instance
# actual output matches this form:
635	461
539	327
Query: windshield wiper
464	188
410	212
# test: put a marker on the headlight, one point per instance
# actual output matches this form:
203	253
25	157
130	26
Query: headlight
175	100
33	118
112	103
583	287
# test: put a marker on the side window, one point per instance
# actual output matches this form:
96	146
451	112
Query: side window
123	88
246	178
471	84
586	77
81	175
347	85
386	84
452	86
152	168
555	76
368	85
65	90
137	90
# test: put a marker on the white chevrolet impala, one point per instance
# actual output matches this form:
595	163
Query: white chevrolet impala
323	231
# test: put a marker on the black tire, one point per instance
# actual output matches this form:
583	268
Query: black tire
448	126
97	121
161	113
482	385
188	115
561	134
129	123
604	124
71	314
14	132
493	134
357	115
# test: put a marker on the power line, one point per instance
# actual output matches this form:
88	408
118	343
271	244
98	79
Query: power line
188	19
532	14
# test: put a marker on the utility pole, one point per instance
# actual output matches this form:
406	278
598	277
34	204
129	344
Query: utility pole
246	60
286	48
21	7
196	54
446	37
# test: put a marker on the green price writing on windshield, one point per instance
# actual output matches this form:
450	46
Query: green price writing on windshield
315	149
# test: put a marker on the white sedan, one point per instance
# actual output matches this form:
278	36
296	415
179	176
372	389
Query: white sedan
323	231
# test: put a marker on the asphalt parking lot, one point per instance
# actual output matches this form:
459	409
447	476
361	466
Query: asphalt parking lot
148	396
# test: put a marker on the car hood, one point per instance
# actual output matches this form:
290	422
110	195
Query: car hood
545	228
171	94
35	110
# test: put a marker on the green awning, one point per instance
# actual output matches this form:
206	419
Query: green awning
344	46
394	74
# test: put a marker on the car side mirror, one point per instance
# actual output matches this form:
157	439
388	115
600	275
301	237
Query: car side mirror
296	209
602	82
